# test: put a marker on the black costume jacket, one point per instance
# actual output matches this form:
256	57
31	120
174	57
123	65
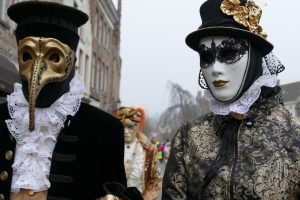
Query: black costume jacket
260	159
89	152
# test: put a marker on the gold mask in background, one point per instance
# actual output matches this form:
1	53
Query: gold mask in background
41	61
133	120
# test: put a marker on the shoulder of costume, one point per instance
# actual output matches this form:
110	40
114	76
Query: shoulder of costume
88	112
145	142
199	124
201	119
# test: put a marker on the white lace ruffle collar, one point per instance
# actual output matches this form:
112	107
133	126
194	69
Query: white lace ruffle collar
34	150
243	104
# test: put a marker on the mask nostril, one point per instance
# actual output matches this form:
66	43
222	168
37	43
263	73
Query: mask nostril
43	65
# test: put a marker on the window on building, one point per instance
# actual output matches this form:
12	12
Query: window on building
106	80
93	72
103	38
98	76
116	79
80	63
106	37
95	24
100	28
110	39
86	68
102	76
82	33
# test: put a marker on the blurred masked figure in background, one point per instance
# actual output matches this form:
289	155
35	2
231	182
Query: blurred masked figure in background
141	163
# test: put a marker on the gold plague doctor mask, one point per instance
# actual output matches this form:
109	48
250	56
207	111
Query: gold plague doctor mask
43	60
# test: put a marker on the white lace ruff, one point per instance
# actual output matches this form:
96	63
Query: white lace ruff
242	104
34	150
135	178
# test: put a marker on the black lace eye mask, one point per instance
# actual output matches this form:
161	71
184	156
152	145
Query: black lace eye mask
230	51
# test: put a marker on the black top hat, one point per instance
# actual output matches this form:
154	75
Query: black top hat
216	23
47	19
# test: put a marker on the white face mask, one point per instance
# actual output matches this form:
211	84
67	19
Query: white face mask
224	62
130	130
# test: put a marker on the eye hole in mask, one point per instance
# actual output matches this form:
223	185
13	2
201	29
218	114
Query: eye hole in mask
54	57
207	56
230	51
26	57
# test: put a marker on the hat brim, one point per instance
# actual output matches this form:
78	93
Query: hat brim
192	40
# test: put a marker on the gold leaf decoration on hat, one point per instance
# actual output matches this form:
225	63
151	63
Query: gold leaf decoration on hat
231	7
248	15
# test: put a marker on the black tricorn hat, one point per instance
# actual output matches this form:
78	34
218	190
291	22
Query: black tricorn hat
216	23
47	19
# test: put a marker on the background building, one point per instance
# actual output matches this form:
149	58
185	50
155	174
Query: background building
98	52
291	97
106	60
8	52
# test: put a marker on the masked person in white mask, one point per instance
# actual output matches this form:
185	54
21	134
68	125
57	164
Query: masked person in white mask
248	147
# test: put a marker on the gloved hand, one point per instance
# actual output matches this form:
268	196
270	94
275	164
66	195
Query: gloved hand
116	191
110	197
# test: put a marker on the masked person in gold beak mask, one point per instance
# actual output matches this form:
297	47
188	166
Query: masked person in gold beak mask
52	145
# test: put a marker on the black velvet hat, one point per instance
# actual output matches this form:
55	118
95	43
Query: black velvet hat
216	23
47	19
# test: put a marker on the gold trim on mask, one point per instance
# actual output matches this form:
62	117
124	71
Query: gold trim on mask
42	61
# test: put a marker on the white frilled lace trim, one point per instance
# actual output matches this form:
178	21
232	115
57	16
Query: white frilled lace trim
242	104
136	178
34	150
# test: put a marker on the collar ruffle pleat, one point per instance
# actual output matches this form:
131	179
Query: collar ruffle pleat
31	167
243	104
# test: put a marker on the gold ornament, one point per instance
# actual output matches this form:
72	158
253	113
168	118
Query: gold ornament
248	15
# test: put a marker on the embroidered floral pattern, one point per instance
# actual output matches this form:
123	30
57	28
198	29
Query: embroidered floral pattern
267	158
